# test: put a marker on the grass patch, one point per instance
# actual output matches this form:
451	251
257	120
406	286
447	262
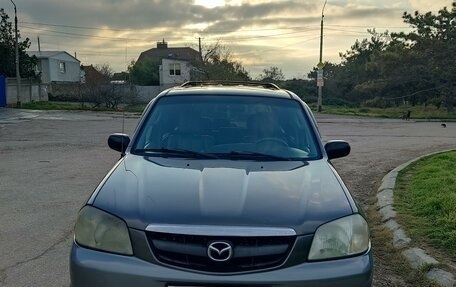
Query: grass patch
385	252
139	108
54	106
71	106
417	112
425	199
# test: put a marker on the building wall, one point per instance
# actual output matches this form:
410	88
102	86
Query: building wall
44	70
167	79
71	74
51	72
30	91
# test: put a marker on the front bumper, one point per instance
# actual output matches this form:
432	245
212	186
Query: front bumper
94	268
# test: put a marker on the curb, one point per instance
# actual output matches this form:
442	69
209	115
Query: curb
417	257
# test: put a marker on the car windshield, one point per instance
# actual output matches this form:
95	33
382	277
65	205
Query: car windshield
234	127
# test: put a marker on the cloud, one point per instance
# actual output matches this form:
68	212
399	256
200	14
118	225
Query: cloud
261	33
149	14
424	6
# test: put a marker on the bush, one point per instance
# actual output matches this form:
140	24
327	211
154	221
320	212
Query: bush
339	102
377	102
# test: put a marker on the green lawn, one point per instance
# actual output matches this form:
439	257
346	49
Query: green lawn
417	112
54	106
425	199
77	106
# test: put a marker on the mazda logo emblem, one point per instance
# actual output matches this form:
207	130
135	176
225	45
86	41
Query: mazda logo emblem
220	251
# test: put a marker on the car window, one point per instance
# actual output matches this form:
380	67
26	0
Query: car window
225	125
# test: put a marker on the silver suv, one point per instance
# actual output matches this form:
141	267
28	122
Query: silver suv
223	184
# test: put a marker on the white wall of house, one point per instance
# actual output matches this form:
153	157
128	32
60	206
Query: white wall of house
43	67
174	71
57	67
64	68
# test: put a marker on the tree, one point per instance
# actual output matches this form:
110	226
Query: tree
8	52
271	74
415	67
145	72
432	45
105	69
219	64
305	89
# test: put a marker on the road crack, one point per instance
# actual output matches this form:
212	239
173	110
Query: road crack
63	238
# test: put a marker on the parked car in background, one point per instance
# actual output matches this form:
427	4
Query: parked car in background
223	184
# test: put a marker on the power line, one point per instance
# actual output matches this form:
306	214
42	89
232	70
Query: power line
82	35
159	29
211	31
350	31
370	26
78	35
415	93
278	48
266	36
77	27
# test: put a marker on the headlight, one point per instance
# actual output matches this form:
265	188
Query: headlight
100	230
342	237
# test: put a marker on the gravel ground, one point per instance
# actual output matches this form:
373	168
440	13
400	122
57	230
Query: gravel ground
378	146
51	161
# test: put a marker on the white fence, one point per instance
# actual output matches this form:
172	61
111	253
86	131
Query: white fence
33	92
30	91
146	93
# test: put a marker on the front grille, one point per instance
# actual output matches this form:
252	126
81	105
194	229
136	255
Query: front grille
248	253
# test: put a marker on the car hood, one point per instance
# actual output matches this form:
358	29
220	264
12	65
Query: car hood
155	190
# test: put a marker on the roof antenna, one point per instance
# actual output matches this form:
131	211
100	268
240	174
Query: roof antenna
123	126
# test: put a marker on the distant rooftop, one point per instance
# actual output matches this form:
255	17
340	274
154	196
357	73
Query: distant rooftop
162	51
47	54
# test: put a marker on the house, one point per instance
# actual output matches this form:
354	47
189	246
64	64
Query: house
91	76
175	64
57	67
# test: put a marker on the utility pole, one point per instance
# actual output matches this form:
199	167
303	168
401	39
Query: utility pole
18	75
200	49
320	81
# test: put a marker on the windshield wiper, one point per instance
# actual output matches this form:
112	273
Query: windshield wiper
176	152
254	155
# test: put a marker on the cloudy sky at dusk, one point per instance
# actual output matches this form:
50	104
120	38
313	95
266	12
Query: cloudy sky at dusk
259	33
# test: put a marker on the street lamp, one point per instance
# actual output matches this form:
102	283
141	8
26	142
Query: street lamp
320	63
18	75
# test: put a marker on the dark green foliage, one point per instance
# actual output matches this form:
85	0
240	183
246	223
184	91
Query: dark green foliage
271	75
8	52
145	72
391	69
305	89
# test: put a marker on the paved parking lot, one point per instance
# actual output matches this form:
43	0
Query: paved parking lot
51	161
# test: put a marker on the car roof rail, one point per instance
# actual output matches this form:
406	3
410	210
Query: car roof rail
230	83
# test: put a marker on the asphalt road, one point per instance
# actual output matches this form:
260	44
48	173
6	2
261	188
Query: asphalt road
50	162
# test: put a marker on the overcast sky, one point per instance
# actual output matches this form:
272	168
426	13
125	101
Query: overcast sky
259	33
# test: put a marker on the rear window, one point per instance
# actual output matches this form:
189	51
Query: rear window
221	125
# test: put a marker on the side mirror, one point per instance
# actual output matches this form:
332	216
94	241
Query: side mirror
337	149
119	142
